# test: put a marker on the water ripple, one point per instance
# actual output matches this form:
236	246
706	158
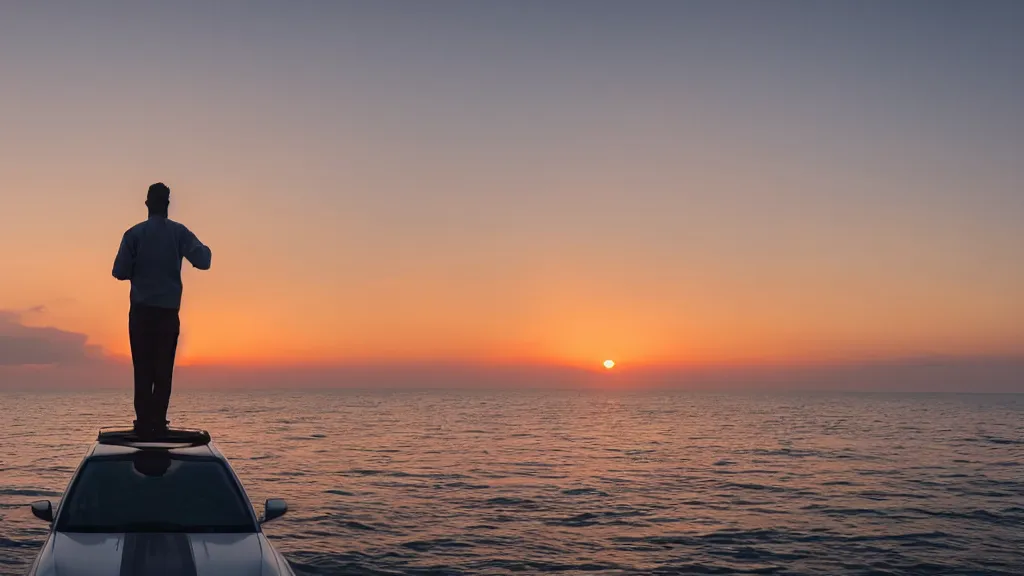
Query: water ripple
402	483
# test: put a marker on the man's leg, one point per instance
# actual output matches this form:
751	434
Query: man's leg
140	336
167	345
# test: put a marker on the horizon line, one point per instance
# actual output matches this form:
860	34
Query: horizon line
781	363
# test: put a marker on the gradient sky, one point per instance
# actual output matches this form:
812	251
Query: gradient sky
557	182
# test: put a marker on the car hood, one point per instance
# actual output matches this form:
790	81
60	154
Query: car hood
157	555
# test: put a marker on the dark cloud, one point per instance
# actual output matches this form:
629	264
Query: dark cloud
22	345
934	374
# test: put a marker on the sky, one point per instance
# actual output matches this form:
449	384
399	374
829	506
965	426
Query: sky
672	185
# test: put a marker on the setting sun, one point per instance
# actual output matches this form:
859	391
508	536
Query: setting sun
609	364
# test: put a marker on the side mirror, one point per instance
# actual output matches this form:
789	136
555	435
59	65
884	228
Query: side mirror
273	508
43	510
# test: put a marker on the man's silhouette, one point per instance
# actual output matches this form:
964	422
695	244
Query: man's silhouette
150	256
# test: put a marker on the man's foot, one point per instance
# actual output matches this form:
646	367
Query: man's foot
149	429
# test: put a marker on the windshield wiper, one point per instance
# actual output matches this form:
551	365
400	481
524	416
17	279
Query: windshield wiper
131	527
152	527
222	529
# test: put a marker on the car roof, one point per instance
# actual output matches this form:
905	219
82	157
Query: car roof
175	441
100	449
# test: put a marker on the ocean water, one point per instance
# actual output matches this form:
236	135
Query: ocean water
415	482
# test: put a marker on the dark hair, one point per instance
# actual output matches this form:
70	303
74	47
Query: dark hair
158	198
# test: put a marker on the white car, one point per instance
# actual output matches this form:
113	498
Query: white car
169	504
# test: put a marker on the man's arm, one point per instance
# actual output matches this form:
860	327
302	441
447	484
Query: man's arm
124	262
197	253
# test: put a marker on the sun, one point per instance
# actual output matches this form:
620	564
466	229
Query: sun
609	364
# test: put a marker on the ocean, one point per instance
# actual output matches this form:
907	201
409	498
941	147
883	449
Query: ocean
529	482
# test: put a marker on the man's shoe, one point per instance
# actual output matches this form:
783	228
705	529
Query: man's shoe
147	429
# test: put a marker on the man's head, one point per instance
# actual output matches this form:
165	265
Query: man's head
158	199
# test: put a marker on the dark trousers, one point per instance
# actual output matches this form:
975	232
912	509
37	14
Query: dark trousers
153	333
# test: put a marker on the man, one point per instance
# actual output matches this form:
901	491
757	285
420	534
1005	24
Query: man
150	256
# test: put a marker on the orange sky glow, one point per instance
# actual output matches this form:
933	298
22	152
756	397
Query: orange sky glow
537	196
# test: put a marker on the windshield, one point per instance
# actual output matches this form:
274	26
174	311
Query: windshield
155	492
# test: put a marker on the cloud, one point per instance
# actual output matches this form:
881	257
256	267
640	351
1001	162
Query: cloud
927	374
22	345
